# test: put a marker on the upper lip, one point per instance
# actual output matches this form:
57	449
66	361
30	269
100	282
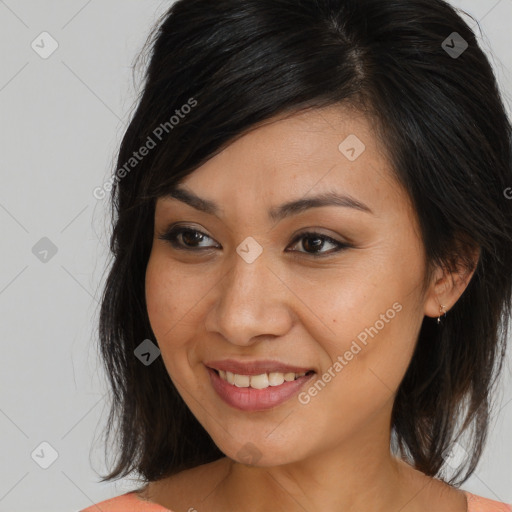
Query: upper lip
254	367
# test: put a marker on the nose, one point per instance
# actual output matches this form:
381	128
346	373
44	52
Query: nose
251	302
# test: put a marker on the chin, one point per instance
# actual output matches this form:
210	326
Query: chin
260	452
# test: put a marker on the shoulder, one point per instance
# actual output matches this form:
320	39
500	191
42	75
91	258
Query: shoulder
128	502
481	504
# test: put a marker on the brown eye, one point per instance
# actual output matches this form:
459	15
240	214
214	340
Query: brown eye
185	238
189	239
314	241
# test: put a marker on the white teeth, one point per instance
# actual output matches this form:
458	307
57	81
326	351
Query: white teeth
261	381
242	381
275	378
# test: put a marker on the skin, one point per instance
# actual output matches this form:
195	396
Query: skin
333	453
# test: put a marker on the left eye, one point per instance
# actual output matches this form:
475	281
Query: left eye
313	241
187	239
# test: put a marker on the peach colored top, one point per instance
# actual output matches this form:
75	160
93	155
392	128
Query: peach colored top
131	502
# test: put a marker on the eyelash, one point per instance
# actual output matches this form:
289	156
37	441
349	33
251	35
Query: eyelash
173	233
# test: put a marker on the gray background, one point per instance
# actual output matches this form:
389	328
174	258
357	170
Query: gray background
61	121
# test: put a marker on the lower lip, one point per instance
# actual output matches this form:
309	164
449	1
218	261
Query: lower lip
250	399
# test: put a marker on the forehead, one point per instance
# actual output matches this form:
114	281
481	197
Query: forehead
307	153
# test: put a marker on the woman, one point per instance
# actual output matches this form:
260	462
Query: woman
311	286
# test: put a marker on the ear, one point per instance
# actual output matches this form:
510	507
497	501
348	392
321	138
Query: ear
448	285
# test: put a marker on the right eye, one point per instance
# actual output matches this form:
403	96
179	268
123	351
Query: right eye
185	238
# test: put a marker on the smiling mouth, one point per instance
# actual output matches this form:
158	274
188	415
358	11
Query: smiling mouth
261	381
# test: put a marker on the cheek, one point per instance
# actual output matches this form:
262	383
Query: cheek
165	296
370	320
175	298
367	364
158	296
164	300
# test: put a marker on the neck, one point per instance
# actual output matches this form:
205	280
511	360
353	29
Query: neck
345	480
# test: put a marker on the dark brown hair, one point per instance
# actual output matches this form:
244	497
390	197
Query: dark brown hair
237	63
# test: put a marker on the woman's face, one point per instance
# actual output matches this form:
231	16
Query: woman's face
243	287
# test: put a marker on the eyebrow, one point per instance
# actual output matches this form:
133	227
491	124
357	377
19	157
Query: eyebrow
277	213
